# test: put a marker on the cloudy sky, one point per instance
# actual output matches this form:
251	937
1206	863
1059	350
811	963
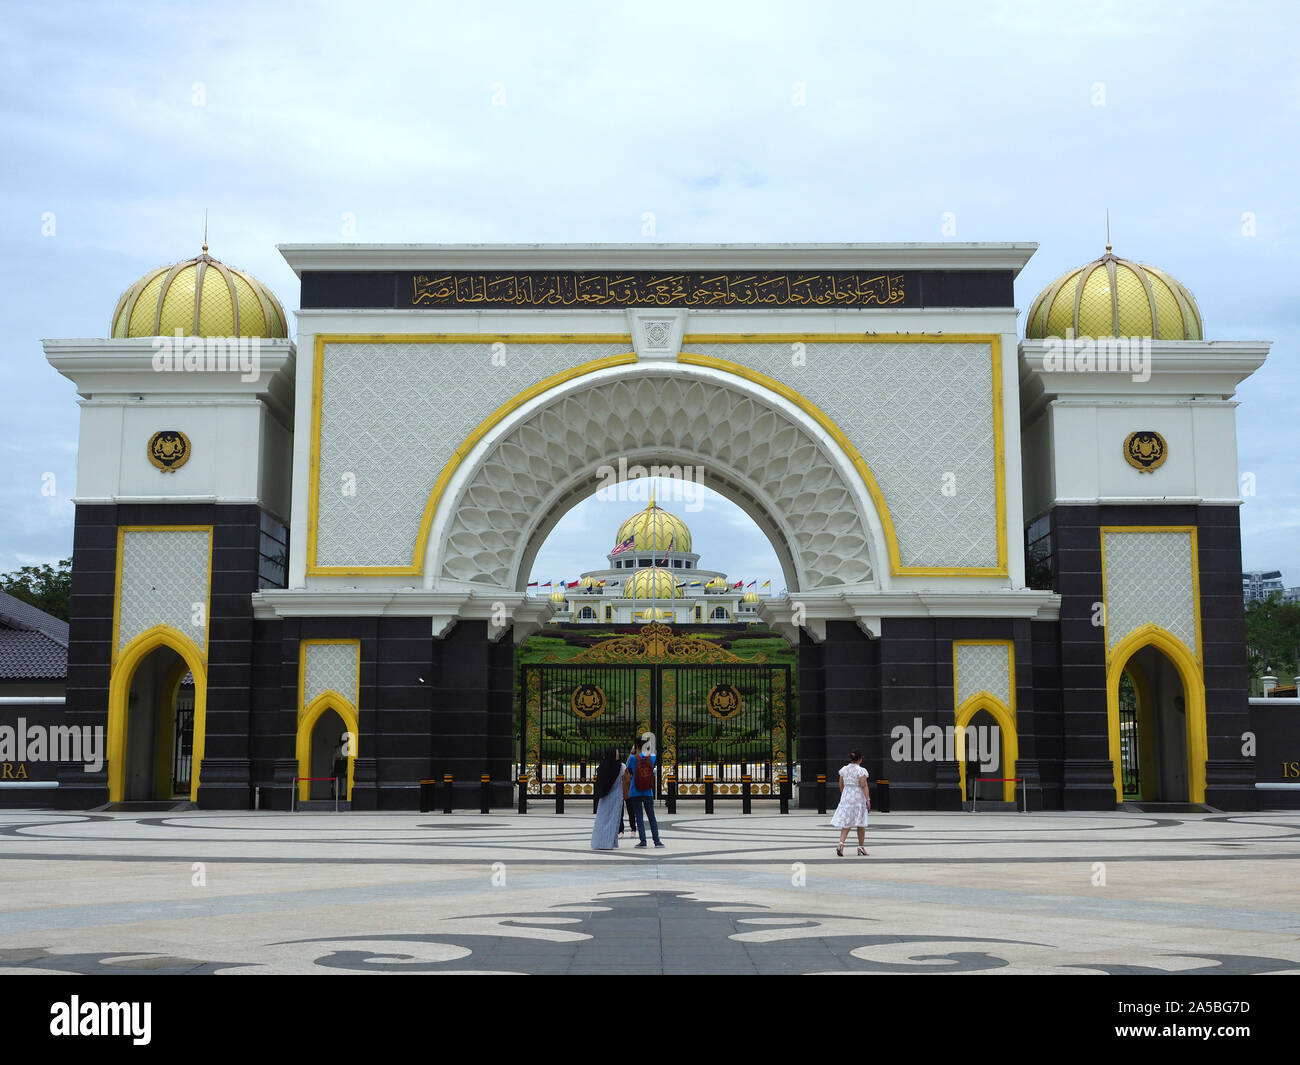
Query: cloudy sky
569	122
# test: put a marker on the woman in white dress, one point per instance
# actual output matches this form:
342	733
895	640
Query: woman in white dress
855	803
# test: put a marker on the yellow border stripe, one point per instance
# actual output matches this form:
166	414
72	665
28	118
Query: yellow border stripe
416	568
896	566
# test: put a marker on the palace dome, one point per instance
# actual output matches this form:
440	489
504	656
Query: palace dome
651	583
655	529
1111	296
557	596
200	297
587	583
716	585
750	597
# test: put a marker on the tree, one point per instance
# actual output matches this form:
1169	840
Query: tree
44	587
1273	638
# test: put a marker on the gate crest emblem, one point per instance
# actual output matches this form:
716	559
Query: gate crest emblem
723	701
588	701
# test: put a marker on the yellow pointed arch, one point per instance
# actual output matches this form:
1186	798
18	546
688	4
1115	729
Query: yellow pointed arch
119	694
1189	672
1006	719
311	713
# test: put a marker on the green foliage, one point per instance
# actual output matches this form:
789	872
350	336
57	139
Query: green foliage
1273	638
44	587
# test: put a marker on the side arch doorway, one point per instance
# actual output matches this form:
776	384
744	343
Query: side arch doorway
1156	698
327	747
157	698
1153	730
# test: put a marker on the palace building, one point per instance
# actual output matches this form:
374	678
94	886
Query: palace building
330	530
653	575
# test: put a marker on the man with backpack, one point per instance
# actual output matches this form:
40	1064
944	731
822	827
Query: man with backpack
641	792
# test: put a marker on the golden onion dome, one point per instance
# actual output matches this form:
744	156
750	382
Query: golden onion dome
200	297
717	585
587	583
651	583
750	597
557	596
1111	296
654	529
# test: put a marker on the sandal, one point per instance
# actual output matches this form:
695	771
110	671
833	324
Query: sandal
840	850
863	851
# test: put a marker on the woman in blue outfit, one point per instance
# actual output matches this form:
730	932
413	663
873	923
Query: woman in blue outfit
643	798
609	807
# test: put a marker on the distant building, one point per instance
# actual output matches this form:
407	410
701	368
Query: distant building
1259	585
667	584
33	650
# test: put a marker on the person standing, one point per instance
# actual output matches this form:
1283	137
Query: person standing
855	803
641	793
609	805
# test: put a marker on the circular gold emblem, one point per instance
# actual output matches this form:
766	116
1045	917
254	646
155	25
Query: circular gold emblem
588	701
1145	450
723	701
169	450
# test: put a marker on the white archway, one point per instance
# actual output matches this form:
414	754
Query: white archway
758	449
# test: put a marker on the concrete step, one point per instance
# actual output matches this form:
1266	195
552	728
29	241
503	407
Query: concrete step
989	806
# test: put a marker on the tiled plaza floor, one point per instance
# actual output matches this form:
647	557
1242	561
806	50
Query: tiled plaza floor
349	892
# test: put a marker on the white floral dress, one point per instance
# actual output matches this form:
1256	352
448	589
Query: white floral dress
852	810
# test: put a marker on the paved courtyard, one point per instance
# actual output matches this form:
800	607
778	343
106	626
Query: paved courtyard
197	892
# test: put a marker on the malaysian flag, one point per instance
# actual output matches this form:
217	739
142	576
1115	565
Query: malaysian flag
668	550
626	545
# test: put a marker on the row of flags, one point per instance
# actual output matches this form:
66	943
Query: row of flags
681	584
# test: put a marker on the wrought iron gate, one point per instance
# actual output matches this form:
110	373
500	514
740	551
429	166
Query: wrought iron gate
712	713
1129	755
183	742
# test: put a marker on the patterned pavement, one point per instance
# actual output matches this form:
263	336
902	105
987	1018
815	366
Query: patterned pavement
205	892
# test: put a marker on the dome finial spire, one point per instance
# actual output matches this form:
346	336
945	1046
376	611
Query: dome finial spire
1107	230
205	231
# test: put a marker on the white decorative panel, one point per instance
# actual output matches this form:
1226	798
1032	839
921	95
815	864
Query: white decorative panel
917	413
1149	581
329	667
392	415
508	492
983	667
164	582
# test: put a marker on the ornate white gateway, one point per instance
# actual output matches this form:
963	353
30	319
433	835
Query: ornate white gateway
851	399
969	524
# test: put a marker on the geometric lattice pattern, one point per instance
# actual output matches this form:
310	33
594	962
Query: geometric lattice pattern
916	413
164	582
807	496
329	667
392	415
1148	581
983	668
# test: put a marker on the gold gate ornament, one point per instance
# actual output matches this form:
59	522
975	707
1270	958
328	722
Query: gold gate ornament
1145	450
169	450
588	701
723	701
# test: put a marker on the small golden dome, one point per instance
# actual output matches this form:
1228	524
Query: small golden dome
229	303
587	583
750	597
1111	296
651	583
655	529
557	596
716	585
